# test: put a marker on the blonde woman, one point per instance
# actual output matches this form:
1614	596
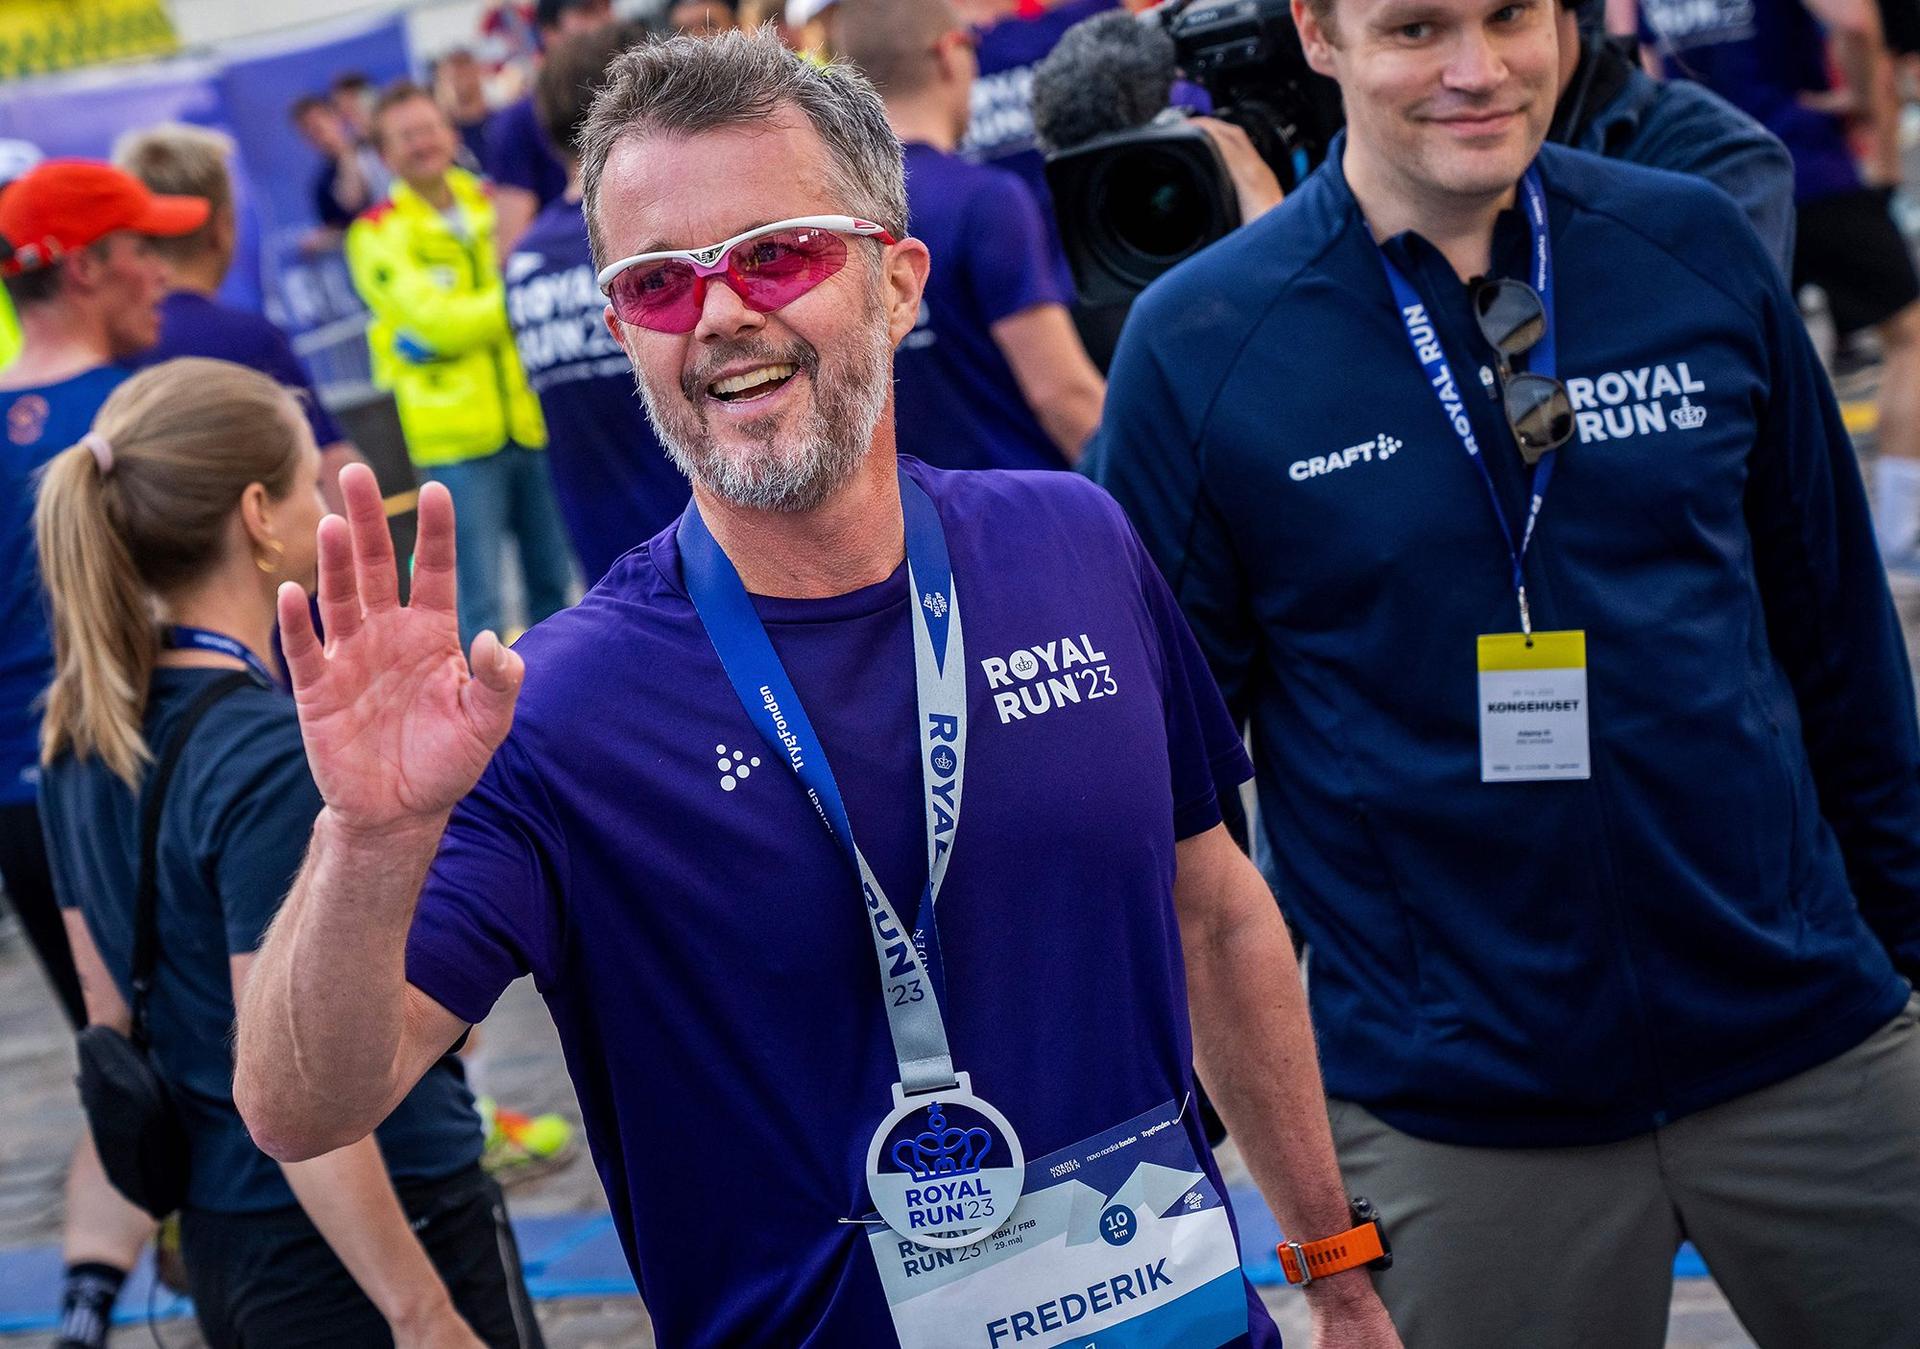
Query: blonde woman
163	536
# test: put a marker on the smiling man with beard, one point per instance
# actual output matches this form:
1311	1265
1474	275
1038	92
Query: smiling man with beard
731	787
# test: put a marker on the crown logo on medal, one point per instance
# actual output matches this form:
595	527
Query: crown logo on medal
939	1151
935	603
1689	415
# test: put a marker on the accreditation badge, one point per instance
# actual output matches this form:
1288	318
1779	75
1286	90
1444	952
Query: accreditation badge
944	1168
1533	707
1119	1242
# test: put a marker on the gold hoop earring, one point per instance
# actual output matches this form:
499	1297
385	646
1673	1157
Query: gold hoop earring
271	564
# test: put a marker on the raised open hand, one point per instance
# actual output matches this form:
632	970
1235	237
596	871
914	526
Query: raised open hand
398	725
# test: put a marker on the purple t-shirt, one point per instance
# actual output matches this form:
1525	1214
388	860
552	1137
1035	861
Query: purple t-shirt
701	941
473	139
517	153
1001	128
1761	56
35	425
193	325
991	260
615	485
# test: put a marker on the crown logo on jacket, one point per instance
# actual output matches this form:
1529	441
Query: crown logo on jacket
1689	415
938	1150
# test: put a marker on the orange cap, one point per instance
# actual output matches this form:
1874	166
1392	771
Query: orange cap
63	204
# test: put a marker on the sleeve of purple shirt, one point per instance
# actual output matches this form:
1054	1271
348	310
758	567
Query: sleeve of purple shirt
1206	758
1009	266
276	358
490	909
516	152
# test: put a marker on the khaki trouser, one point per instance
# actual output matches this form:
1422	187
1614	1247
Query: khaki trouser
1803	1198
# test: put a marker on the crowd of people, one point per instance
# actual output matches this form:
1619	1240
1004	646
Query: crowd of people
1482	501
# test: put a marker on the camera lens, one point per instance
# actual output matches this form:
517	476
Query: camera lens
1154	208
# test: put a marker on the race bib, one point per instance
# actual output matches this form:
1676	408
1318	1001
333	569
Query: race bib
1118	1242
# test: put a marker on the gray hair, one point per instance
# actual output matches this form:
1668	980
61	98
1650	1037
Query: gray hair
680	86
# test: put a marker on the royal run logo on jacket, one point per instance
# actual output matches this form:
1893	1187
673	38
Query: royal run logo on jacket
1647	400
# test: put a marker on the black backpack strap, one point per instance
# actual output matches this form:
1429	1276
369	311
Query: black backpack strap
146	904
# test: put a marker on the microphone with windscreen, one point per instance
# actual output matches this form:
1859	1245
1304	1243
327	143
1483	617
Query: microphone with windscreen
1110	73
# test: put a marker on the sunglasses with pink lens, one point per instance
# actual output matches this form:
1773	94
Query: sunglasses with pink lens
768	268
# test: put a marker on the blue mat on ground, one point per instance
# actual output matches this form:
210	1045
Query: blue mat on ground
569	1255
1260	1234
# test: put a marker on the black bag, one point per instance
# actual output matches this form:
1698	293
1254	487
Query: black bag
136	1129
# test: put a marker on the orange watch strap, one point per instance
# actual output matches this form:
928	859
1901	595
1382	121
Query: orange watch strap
1303	1262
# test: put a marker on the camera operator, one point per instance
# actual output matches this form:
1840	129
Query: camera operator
1509	500
1612	107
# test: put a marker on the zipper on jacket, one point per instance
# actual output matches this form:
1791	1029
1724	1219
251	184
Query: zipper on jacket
1608	855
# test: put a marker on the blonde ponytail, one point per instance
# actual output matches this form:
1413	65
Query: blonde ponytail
103	630
139	507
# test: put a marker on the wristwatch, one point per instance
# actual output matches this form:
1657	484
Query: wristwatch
1365	1243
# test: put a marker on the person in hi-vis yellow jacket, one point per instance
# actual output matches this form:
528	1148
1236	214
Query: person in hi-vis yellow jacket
424	262
9	332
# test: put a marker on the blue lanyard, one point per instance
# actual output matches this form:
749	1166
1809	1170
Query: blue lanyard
180	637
1425	338
911	973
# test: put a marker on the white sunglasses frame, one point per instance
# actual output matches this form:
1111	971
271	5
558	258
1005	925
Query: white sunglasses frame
708	261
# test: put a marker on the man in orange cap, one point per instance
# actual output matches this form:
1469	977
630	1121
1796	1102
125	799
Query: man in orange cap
76	263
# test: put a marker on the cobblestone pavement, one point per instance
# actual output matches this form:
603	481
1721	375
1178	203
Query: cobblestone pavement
519	1063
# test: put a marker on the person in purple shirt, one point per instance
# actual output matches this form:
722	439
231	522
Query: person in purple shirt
615	485
191	161
527	175
993	373
624	828
1769	59
1015	37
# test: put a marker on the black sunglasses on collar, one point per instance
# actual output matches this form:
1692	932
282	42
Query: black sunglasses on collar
1513	319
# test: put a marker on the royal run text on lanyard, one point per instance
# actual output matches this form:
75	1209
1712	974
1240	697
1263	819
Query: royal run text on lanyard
1532	685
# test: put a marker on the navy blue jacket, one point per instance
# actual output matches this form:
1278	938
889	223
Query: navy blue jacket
1544	962
1686	127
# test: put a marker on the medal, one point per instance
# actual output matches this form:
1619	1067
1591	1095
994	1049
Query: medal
945	1168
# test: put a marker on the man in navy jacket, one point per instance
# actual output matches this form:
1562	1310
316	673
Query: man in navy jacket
1591	773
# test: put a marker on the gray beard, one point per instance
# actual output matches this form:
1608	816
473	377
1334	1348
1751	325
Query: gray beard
803	471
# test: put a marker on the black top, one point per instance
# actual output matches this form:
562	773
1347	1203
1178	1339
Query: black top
233	830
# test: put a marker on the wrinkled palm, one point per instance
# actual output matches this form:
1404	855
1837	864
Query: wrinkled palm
398	726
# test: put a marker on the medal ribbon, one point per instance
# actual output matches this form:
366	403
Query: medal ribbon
180	637
1541	359
911	974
